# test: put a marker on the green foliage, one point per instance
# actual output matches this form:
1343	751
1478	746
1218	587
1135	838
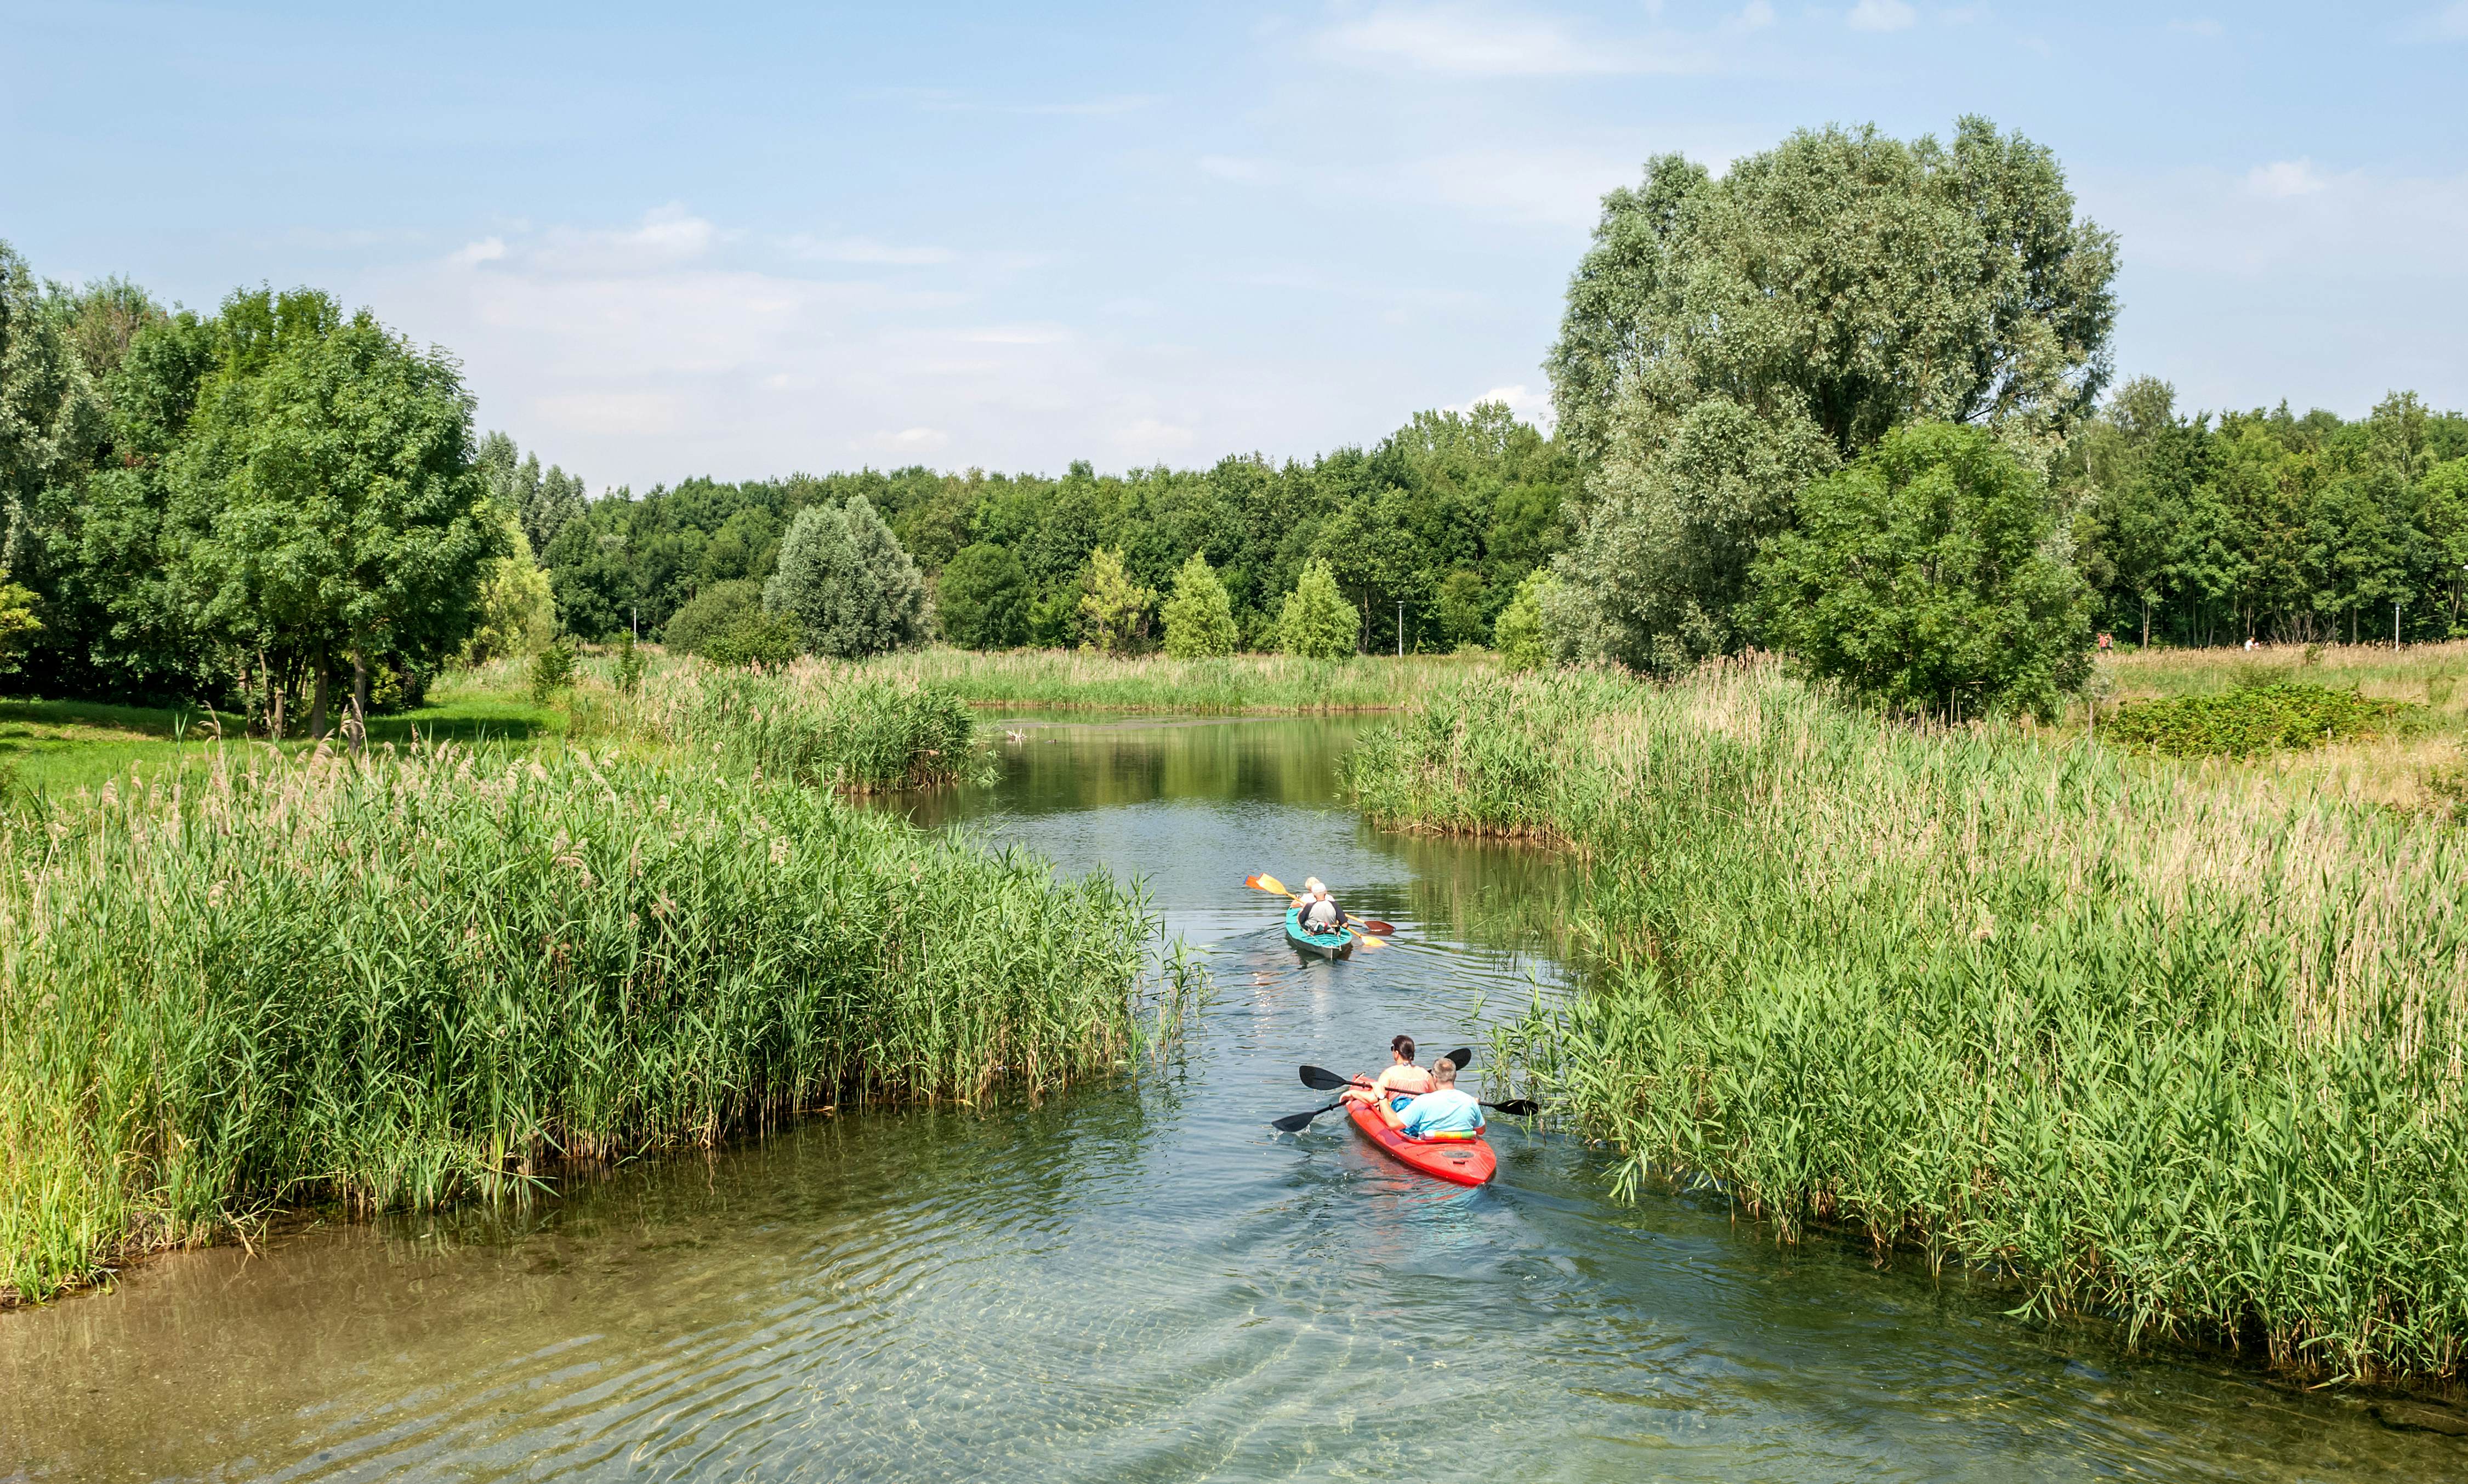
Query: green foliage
1519	636
847	585
852	727
630	664
517	612
1317	622
2289	715
1113	610
17	623
540	503
1921	577
1199	618
50	418
755	637
711	613
396	982
2173	1049
1727	340
552	670
982	598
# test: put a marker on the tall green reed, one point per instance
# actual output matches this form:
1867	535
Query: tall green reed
2176	1045
397	980
829	725
1257	684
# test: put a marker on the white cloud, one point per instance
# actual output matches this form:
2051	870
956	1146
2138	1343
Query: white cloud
865	249
1473	40
1756	16
1148	439
2282	179
1882	15
914	440
488	249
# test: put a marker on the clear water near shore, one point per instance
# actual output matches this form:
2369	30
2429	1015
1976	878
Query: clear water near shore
1143	1281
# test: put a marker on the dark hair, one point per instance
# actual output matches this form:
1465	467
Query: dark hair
1404	1046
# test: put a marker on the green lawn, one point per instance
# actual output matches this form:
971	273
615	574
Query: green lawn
57	746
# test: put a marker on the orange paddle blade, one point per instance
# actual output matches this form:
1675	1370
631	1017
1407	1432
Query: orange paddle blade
1269	883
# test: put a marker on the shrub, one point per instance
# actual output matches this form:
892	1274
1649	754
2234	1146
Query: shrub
756	638
1519	633
2289	715
1920	578
711	613
1114	609
1199	618
846	583
982	598
552	670
1317	621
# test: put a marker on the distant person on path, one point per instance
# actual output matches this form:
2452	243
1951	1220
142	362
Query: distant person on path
1320	912
1441	1114
2105	643
2248	644
1399	1084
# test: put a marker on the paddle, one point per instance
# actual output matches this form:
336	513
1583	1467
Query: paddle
1326	1080
1368	925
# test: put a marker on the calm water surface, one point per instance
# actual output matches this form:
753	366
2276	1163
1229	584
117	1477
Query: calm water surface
1140	1282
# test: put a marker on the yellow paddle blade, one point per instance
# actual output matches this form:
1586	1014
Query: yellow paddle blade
1365	939
1270	883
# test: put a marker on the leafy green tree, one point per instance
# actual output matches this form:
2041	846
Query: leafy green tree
1519	635
1462	607
324	500
845	583
1921	577
518	613
984	597
755	638
1727	339
542	502
1199	618
17	623
1114	609
1317	622
50	418
711	613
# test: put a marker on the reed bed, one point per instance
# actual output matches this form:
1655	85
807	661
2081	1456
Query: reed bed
1239	684
2178	1043
828	724
397	980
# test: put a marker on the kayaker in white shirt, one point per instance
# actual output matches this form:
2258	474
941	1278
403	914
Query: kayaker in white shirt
1400	1083
1320	913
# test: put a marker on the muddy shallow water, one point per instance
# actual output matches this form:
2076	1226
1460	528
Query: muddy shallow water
1138	1281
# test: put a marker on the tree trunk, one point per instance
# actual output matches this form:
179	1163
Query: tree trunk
317	701
360	701
273	698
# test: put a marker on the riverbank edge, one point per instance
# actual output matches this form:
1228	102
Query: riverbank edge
1653	1058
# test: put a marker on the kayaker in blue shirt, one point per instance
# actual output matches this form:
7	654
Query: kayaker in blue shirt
1441	1114
1398	1084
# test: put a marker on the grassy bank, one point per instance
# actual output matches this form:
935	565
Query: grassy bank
1242	684
2174	1043
398	980
828	725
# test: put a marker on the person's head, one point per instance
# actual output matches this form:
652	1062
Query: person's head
1402	1047
1315	887
1444	1072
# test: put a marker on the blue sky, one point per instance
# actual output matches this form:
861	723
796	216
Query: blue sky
667	240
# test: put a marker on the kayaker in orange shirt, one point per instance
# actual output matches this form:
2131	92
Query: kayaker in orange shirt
1402	1082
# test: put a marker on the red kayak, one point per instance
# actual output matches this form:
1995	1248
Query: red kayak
1464	1161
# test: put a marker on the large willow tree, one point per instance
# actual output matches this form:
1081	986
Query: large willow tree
1726	341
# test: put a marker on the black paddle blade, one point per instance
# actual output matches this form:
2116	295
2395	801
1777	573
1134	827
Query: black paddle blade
1461	1057
1516	1108
1324	1080
1296	1123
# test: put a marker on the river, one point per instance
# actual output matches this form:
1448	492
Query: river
1140	1282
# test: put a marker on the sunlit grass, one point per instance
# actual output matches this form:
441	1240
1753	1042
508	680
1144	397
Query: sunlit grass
1256	684
2177	1043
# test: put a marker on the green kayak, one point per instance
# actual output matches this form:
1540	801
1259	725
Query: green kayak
1336	944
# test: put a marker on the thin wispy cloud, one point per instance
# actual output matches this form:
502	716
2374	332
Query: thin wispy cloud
2281	179
865	249
1882	15
1471	40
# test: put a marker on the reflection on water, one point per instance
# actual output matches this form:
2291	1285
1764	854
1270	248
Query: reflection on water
1136	1282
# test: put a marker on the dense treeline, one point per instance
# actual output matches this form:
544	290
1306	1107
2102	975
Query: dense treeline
2201	529
1445	515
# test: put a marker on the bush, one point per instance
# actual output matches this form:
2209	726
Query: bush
1199	618
552	670
1519	633
846	583
1920	578
982	598
2289	716
1317	621
711	613
1114	609
756	638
